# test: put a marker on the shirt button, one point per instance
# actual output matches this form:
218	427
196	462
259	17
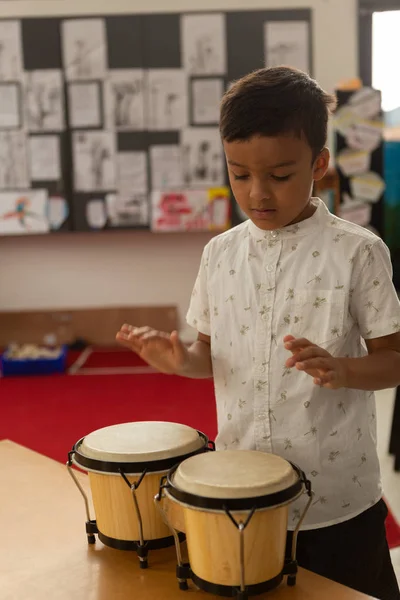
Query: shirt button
270	268
274	234
261	417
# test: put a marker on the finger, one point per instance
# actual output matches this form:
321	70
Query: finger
126	328
326	380
297	344
306	354
124	340
288	338
154	335
314	363
155	342
140	331
178	346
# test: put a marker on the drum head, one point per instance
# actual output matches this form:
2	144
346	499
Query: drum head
141	442
234	474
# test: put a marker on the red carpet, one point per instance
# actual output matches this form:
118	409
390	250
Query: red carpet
49	414
108	358
392	531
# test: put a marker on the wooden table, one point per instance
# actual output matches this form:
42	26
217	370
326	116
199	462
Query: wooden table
44	554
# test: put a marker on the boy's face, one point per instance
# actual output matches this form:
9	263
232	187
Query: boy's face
272	178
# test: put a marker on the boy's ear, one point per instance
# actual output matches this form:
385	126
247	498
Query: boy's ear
321	164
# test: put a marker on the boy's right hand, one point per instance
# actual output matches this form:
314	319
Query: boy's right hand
163	351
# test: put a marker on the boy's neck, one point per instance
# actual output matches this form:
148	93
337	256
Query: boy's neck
308	212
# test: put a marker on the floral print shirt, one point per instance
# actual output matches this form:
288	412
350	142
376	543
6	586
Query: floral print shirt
324	279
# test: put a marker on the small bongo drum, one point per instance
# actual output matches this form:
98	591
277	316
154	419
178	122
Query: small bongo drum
235	508
124	463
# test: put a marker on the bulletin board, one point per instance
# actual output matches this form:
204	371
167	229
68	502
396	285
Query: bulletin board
112	121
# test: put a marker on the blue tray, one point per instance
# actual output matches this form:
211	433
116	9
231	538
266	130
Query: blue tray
11	367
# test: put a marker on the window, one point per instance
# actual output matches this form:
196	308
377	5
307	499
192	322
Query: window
385	56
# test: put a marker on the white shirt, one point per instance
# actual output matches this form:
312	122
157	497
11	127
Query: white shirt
324	279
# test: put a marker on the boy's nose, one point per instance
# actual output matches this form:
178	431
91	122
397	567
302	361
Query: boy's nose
259	192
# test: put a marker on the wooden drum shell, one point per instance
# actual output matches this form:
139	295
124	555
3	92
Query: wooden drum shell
115	510
213	543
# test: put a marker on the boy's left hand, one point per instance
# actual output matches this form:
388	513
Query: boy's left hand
326	370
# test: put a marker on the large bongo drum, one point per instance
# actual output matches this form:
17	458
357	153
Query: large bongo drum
124	463
235	507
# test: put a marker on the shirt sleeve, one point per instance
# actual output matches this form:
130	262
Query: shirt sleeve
374	302
198	315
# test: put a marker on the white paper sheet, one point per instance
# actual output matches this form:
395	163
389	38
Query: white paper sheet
23	212
44	100
287	43
124	92
84	49
14	172
10	51
357	212
94	161
365	135
204	44
132	211
45	161
10	108
367	103
203	158
84	105
166	167
96	215
369	186
167	99
132	173
353	162
57	211
206	98
344	120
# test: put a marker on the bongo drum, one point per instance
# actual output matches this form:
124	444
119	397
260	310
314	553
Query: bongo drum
124	463
235	507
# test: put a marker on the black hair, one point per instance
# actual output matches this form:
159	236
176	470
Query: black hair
275	101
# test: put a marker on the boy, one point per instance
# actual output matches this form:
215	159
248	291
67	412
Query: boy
297	322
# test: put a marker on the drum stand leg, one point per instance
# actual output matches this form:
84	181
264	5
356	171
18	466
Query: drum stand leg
142	550
182	569
291	566
91	527
241	593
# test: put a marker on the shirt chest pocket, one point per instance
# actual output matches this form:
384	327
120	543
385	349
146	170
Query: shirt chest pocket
317	315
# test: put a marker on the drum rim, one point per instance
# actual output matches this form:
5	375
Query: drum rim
132	467
274	499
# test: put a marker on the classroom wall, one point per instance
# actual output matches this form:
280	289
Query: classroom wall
133	268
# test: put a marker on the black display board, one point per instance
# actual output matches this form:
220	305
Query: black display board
141	41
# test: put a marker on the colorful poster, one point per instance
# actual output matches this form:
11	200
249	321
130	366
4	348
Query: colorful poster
191	210
24	212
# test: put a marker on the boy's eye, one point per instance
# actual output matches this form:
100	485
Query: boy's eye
284	178
240	177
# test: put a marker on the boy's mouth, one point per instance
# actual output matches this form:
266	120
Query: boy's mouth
263	214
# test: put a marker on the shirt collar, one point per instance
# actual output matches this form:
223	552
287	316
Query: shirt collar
318	219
